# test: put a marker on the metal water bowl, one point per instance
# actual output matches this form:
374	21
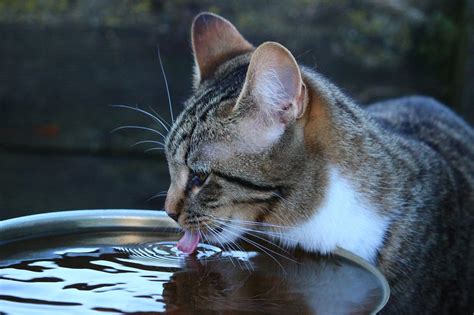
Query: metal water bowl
125	261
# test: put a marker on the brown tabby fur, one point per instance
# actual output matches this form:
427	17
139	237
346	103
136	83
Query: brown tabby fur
411	157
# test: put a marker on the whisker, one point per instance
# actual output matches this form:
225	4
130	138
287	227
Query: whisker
236	247
160	194
284	199
237	228
143	112
217	238
147	141
159	116
249	232
138	127
166	84
262	248
232	245
266	233
154	149
237	222
239	248
263	224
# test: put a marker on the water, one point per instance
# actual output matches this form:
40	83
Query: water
116	273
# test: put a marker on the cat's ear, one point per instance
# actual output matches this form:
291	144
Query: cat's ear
274	81
275	86
214	40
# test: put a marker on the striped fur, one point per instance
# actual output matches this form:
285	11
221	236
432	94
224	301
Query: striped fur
408	165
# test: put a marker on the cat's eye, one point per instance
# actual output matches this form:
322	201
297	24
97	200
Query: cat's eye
197	179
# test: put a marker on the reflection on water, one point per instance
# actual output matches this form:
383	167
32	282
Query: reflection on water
90	277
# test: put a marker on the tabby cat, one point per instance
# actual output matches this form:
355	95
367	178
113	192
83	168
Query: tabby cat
265	140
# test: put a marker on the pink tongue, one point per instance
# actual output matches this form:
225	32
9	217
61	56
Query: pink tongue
188	243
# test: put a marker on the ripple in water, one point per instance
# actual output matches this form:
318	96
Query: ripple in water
167	254
168	251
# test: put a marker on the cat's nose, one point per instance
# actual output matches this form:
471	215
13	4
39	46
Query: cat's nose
174	203
174	216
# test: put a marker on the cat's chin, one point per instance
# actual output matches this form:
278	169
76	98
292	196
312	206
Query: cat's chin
224	235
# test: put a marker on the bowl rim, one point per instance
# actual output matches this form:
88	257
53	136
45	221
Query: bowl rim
74	221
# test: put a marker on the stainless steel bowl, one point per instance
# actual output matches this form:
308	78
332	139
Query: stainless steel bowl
60	225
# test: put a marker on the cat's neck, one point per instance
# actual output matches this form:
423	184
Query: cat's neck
353	143
360	197
343	219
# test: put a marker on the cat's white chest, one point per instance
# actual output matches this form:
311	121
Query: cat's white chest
344	219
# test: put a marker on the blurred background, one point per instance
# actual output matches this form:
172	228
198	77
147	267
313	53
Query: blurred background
62	62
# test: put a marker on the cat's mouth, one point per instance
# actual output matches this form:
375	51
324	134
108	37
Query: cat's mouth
189	241
217	235
191	238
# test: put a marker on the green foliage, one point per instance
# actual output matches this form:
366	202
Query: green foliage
437	42
371	35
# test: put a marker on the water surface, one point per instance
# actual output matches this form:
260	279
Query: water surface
143	272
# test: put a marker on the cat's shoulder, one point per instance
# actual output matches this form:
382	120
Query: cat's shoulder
417	107
417	114
426	126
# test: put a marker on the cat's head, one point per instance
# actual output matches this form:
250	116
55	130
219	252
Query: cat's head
237	150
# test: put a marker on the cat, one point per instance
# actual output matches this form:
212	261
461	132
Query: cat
264	141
